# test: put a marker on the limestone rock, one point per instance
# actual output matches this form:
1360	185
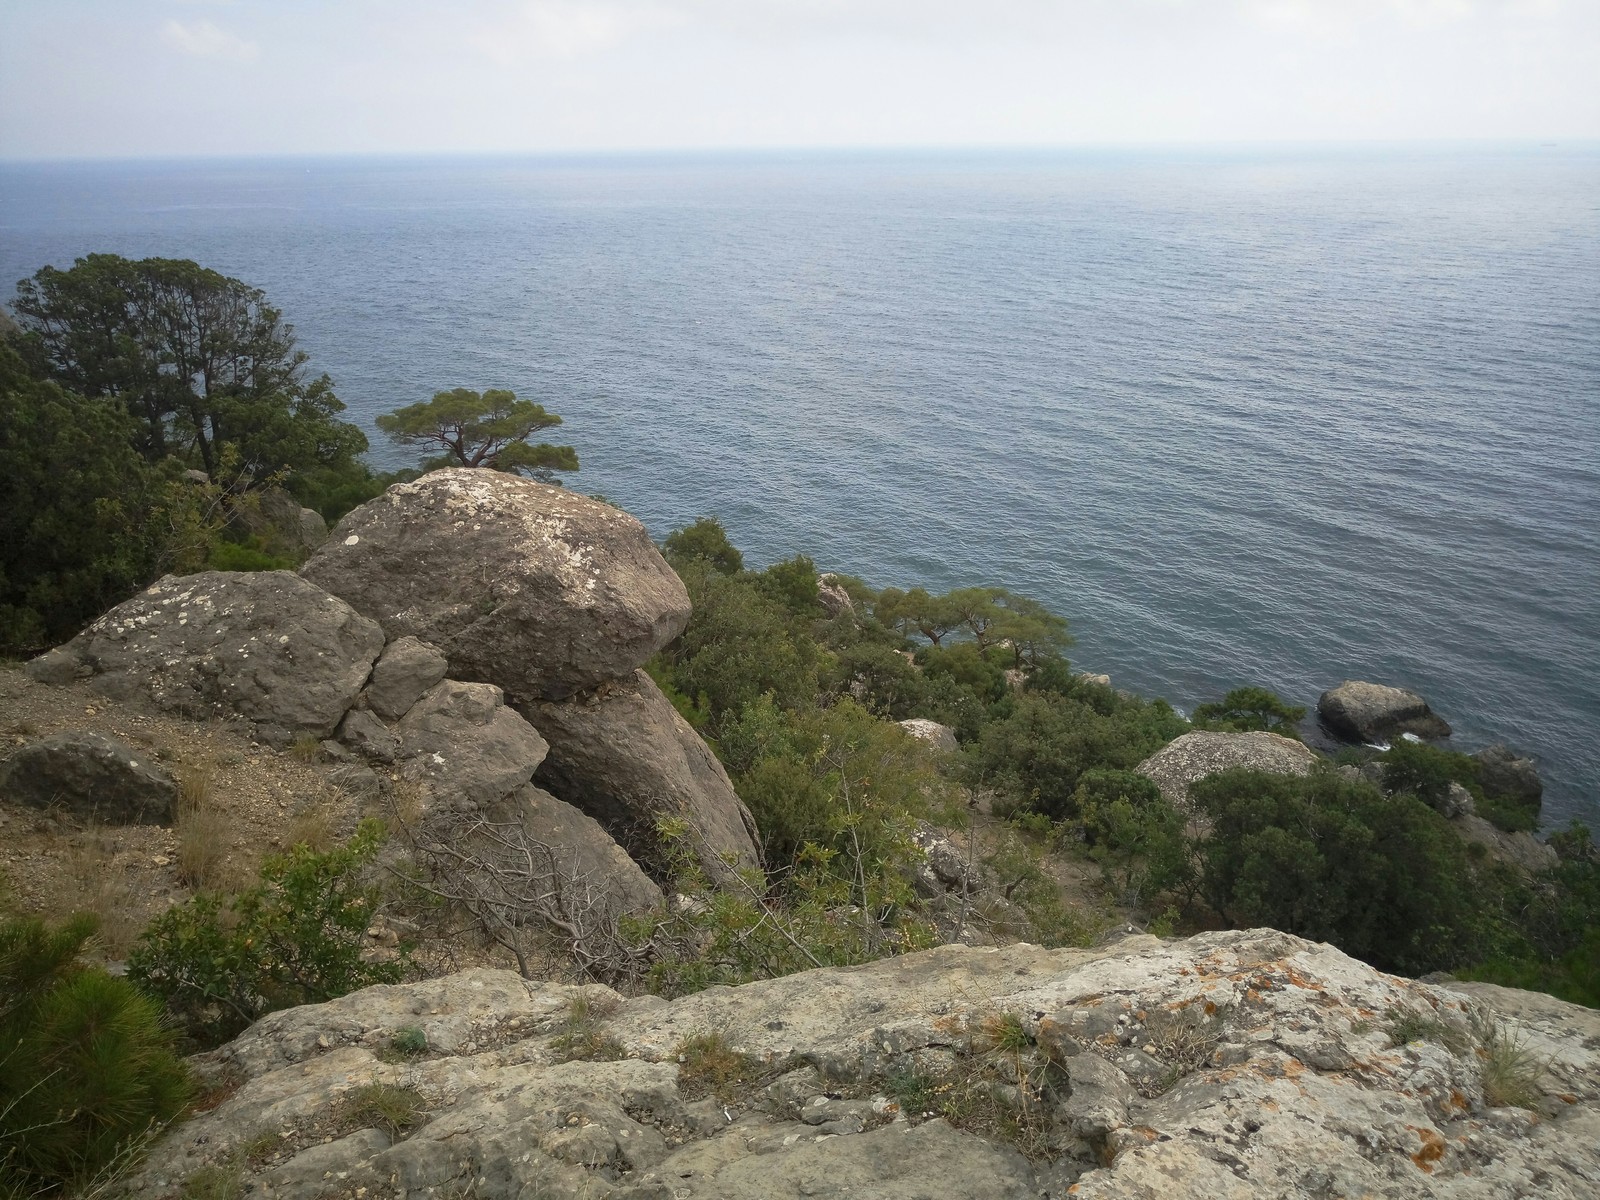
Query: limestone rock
1521	850
940	737
1372	712
460	739
368	736
833	597
92	776
406	669
1507	775
943	868
624	756
1195	755
1261	1064
589	867
530	587
263	645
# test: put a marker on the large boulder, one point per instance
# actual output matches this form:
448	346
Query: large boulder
92	776
460	739
584	863
939	737
1236	1064
1508	776
530	587
1520	850
1373	713
1195	755
623	755
263	645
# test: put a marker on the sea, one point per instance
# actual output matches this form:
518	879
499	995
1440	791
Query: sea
1278	416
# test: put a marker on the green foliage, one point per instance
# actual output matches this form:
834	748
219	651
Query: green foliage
198	360
481	429
1427	772
1133	833
87	1071
1037	752
792	583
245	556
1383	877
393	1108
706	539
294	938
1250	708
80	526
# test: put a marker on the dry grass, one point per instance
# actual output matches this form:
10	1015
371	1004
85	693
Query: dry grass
581	1036
708	1065
1511	1071
312	828
202	832
306	748
105	889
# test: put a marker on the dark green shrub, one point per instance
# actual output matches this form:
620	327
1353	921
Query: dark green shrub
1250	708
1384	878
87	1069
1132	832
1427	771
793	584
294	938
707	540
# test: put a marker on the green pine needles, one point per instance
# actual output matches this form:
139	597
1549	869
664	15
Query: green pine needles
88	1073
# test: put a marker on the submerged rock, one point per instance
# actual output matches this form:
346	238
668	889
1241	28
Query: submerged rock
1373	712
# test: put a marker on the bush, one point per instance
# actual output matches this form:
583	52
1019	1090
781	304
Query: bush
1250	708
87	1070
294	938
706	540
1384	878
1133	833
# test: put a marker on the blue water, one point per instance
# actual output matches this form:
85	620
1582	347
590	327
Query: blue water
1245	417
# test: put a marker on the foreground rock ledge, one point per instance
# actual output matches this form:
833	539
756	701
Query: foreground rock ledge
1296	1090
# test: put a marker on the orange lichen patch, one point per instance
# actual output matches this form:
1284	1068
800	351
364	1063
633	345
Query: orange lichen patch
1566	1098
1304	982
1433	1148
1269	1104
1141	1015
1211	1008
1183	970
1457	1100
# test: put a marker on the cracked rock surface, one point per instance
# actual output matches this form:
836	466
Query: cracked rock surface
1237	1064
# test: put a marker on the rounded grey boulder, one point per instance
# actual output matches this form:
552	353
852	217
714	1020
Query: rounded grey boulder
263	645
91	776
1195	755
530	587
1357	711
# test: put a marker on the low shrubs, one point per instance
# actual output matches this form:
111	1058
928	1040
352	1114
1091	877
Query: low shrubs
88	1073
294	938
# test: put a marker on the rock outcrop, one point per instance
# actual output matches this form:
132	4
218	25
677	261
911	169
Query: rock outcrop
1195	755
1510	777
1241	1064
833	596
530	587
586	865
461	740
940	737
623	755
91	776
406	669
266	646
1372	712
1521	850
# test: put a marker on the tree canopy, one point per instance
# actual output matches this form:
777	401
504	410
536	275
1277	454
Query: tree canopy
206	367
481	429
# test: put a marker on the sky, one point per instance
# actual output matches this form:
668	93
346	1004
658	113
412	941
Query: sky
145	78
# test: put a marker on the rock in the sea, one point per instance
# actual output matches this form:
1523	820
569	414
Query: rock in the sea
263	645
940	737
833	597
623	755
1195	755
461	739
92	776
1507	775
1372	712
530	587
406	669
1237	1064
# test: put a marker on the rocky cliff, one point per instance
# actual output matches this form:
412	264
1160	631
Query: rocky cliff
1246	1064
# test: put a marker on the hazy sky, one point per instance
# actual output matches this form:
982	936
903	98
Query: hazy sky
161	77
